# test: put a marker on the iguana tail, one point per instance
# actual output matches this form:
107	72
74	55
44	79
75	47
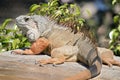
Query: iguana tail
95	63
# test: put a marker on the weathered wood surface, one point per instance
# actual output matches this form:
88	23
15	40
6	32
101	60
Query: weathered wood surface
23	67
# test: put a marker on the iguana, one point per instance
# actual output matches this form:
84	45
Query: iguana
64	45
41	44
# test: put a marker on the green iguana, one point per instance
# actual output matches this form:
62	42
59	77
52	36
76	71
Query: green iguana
64	45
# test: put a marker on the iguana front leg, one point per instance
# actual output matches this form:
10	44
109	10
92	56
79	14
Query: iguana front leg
37	47
62	54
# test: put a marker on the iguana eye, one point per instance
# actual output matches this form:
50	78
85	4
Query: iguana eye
26	19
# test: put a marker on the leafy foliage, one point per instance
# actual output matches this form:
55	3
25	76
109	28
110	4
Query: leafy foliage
66	14
11	38
115	36
115	1
115	33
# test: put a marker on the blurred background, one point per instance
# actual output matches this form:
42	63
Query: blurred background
98	14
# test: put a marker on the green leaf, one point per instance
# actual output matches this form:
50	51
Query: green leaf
34	7
15	27
18	35
5	23
23	39
53	3
76	9
10	31
118	47
116	18
63	6
119	27
111	33
115	35
7	41
15	43
3	49
114	2
27	44
81	21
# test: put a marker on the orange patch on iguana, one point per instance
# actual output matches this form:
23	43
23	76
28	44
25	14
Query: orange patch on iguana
39	45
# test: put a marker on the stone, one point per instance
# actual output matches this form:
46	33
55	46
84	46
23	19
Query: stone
23	67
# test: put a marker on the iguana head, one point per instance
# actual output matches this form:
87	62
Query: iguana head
28	27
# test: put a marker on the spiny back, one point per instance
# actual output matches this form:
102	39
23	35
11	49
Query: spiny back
50	23
84	28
